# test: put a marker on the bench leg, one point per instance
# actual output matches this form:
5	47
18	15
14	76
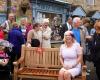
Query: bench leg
15	77
20	79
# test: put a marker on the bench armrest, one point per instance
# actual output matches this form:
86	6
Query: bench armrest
16	63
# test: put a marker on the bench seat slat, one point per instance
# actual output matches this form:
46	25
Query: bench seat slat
37	71
41	72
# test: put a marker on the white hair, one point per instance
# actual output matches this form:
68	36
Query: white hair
24	18
46	20
76	19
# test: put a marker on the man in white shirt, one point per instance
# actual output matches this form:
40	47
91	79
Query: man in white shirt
7	25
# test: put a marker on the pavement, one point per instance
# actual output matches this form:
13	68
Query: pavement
91	74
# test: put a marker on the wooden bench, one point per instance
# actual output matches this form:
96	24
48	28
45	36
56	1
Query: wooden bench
45	65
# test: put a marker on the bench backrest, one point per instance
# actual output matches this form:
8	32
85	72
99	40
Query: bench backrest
48	58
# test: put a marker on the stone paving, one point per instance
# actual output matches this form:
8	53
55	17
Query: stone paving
91	75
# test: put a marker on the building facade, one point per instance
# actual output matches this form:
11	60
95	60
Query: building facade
3	10
48	9
45	8
88	5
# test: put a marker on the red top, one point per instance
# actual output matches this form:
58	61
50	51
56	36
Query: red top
1	34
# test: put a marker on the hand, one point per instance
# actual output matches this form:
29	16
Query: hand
67	67
74	65
28	44
45	38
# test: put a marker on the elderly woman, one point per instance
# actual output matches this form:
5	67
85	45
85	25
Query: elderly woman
70	57
95	48
46	34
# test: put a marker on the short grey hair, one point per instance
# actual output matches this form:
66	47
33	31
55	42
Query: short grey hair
76	19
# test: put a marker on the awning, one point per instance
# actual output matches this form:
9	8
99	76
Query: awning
96	15
78	12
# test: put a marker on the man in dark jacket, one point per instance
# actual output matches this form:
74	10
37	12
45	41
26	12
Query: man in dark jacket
66	26
16	38
95	48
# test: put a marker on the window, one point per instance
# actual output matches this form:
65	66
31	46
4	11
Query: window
64	1
90	2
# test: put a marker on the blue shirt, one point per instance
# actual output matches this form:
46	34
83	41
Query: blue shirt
76	33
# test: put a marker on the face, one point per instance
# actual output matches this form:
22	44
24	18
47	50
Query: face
68	37
70	21
97	27
23	22
11	18
78	23
45	25
37	28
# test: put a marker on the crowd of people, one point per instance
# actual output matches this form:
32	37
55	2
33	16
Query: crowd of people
36	35
76	34
87	35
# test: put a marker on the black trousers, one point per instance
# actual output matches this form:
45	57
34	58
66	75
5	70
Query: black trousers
97	65
14	56
5	72
5	75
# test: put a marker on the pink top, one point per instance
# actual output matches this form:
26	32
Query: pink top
3	55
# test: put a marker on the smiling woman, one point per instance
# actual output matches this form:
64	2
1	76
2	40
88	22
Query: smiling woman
68	35
70	57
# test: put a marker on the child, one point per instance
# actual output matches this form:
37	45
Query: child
3	57
5	66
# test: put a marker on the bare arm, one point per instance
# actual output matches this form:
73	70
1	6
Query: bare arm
30	36
80	56
61	60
